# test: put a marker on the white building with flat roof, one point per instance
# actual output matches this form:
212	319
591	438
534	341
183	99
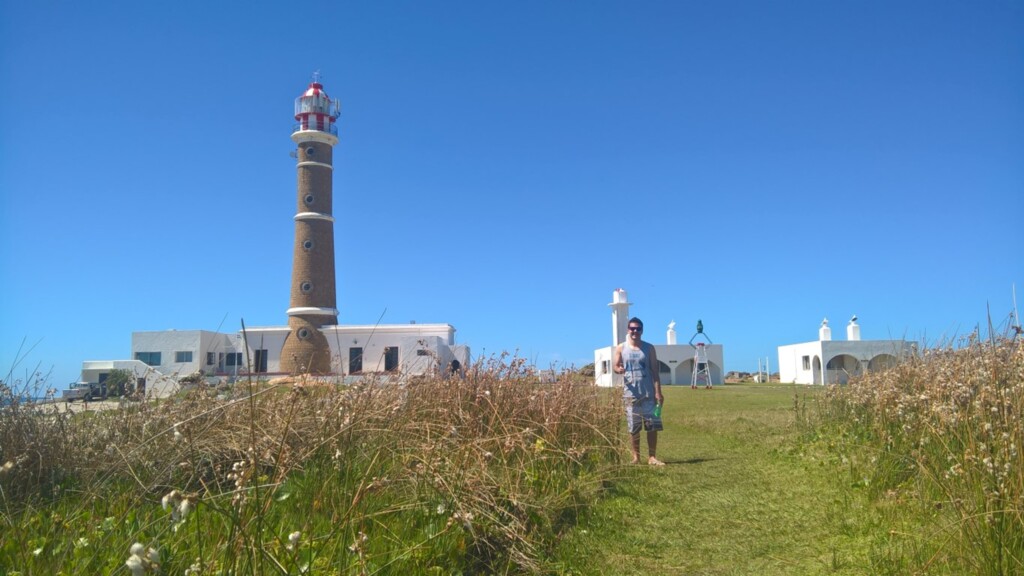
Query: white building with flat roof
827	361
159	359
676	362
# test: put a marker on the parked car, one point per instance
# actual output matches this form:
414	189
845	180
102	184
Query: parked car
84	391
77	391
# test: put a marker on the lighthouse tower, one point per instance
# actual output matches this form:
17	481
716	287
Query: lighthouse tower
313	296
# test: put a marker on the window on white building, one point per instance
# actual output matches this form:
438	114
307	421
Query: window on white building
807	362
183	356
390	358
234	359
355	360
150	358
259	361
211	358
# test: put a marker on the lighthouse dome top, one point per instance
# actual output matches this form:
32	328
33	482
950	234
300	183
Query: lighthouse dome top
315	102
315	113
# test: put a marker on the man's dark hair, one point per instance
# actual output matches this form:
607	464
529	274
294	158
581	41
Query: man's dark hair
635	320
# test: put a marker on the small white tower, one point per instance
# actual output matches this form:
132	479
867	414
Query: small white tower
670	337
824	333
853	330
620	316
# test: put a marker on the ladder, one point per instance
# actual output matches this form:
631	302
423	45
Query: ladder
701	368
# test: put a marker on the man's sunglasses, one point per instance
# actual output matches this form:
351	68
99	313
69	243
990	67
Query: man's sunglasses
636	329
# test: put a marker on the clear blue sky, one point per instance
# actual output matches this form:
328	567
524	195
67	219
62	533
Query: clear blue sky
504	166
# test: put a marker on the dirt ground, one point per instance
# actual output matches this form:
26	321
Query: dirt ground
79	406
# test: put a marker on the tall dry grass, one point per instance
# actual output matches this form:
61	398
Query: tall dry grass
473	475
938	440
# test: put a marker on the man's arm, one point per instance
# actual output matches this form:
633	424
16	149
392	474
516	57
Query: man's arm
617	366
656	374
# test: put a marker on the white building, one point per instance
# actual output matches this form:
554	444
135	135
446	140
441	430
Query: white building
675	361
828	361
159	359
403	349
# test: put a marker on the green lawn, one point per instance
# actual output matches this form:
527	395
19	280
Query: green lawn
734	498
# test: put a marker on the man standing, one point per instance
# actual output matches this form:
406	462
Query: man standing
641	393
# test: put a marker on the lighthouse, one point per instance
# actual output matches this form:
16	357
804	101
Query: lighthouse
313	301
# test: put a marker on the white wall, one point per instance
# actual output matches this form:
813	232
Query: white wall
438	340
791	368
167	343
603	374
679	358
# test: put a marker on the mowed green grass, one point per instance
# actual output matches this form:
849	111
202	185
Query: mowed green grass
736	497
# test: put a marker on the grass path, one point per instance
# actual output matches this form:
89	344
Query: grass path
733	498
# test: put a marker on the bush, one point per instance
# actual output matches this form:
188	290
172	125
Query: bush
120	382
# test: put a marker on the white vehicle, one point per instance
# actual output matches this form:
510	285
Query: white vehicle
78	391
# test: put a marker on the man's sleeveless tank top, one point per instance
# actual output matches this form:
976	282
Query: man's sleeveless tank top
638	378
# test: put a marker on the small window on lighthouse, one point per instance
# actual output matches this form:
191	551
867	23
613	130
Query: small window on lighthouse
310	151
309	199
303	333
307	245
306	287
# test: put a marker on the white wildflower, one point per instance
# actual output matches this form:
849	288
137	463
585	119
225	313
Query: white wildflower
136	549
134	564
293	539
185	508
177	434
357	546
170	499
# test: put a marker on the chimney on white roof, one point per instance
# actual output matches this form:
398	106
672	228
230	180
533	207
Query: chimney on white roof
824	333
853	330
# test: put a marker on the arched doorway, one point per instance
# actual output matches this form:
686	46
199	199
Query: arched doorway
881	362
816	374
841	368
664	373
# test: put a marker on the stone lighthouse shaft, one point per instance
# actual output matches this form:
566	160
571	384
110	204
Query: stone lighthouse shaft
313	296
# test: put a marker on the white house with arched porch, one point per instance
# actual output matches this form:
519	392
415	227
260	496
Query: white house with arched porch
828	361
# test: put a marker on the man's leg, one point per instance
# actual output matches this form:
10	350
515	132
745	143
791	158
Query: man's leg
652	448
635	445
